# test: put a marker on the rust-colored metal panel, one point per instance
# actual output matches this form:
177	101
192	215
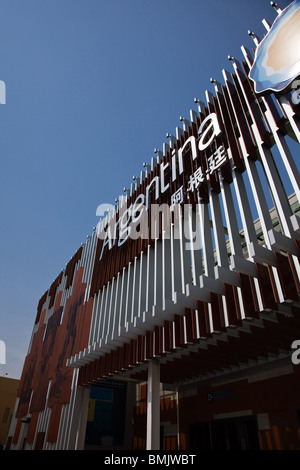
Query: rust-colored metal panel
140	348
266	286
29	373
179	331
70	268
53	289
149	345
168	329
286	273
232	304
203	318
54	423
40	306
190	336
250	303
217	312
158	338
49	352
293	270
40	439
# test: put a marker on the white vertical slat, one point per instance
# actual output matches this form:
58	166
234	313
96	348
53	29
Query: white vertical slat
244	208
109	320
195	244
258	192
62	427
256	186
116	307
186	259
142	284
275	183
104	296
218	229
157	273
121	319
89	263
205	230
166	263
150	289
175	260
98	316
65	441
290	115
95	319
128	293
259	198
231	219
248	231
285	153
135	290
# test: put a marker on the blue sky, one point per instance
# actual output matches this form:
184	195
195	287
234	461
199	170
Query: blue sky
92	87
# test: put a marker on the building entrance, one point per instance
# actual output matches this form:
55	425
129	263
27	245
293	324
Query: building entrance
106	415
225	434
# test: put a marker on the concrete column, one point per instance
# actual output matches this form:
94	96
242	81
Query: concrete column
153	406
77	420
80	437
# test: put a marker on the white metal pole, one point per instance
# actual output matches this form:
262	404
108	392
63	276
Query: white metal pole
153	406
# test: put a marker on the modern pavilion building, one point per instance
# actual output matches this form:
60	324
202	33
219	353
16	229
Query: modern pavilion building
177	324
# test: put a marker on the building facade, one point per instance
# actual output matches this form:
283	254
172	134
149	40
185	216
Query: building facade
8	394
187	291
